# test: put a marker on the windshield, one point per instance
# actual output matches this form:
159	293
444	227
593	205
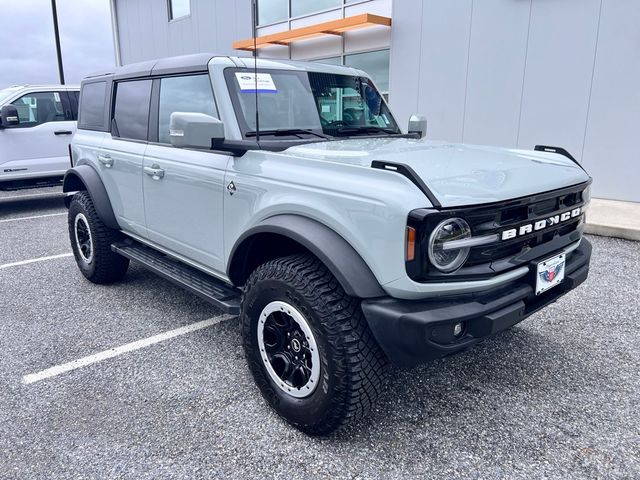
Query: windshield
324	104
7	92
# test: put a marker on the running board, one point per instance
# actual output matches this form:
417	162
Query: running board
220	294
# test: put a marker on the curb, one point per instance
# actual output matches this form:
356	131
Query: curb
613	218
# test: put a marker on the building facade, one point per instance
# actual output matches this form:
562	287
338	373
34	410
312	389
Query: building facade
514	73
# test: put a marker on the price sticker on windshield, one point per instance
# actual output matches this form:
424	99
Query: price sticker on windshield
250	84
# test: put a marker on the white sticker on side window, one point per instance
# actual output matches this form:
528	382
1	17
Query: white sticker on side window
248	83
56	95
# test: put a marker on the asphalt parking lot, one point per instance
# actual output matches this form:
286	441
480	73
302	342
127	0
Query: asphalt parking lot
555	397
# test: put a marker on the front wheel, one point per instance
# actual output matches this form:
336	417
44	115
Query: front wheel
91	242
308	345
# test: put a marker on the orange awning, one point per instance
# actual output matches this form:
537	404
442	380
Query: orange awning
334	27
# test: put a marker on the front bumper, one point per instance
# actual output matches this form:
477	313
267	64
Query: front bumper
411	332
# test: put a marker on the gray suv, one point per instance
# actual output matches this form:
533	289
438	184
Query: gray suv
286	193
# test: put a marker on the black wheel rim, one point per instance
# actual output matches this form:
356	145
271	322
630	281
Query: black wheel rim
288	349
84	241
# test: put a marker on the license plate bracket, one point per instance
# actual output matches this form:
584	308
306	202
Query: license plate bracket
550	273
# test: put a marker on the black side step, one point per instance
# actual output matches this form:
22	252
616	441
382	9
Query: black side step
217	292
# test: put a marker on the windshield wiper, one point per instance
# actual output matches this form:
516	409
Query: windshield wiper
366	130
287	131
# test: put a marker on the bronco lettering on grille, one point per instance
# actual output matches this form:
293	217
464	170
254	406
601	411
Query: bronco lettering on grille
540	224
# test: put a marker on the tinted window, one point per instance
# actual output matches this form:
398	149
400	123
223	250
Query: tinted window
131	112
92	100
183	94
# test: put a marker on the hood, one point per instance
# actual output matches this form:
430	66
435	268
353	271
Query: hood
457	174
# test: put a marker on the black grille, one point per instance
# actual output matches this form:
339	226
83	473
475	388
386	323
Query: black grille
501	255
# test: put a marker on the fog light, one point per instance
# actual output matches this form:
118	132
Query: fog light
457	329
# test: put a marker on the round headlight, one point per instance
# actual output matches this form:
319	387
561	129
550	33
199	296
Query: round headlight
448	260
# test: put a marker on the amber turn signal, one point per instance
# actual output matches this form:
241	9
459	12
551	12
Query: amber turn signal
411	244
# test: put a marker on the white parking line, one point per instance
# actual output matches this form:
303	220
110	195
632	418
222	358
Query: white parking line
50	194
114	352
32	217
34	260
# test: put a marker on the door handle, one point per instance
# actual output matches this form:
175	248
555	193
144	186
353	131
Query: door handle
106	160
154	172
62	132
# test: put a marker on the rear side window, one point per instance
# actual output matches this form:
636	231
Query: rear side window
183	94
92	101
131	111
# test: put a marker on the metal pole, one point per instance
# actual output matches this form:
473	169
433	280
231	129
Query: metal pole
56	32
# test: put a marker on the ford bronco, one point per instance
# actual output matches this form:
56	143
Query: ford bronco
286	193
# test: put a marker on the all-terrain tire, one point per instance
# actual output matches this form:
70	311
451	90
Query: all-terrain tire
352	365
93	252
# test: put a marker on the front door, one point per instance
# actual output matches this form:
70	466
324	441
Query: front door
184	189
39	145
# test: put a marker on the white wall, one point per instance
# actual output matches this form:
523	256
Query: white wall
146	33
526	72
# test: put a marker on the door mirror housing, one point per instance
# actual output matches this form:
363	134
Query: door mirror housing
418	124
9	116
195	130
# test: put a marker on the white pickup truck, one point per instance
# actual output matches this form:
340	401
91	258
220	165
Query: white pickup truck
36	126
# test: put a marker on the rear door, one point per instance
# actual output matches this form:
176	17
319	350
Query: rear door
183	204
122	153
39	145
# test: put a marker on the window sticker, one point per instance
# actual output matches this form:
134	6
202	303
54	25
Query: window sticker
248	83
56	95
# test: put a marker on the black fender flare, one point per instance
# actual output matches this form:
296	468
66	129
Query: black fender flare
342	260
84	177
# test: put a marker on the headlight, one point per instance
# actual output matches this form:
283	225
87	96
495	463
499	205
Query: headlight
450	259
586	195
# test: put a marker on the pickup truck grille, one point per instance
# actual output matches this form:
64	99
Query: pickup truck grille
494	219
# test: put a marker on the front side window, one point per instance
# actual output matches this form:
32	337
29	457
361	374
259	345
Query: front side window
330	104
183	94
131	111
38	108
179	8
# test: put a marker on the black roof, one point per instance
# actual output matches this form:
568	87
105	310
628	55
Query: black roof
164	66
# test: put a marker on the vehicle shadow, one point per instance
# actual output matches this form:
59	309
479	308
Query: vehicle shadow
505	372
17	206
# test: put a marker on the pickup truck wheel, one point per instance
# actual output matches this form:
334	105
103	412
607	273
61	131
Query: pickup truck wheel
91	242
308	345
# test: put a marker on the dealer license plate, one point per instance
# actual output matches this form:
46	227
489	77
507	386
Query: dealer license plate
550	273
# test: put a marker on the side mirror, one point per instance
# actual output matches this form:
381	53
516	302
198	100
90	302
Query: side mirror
9	116
194	130
418	124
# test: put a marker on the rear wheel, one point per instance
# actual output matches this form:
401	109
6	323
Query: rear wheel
91	242
308	345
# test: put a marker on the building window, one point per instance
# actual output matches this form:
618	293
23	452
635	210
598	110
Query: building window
329	61
376	64
272	11
304	7
179	8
